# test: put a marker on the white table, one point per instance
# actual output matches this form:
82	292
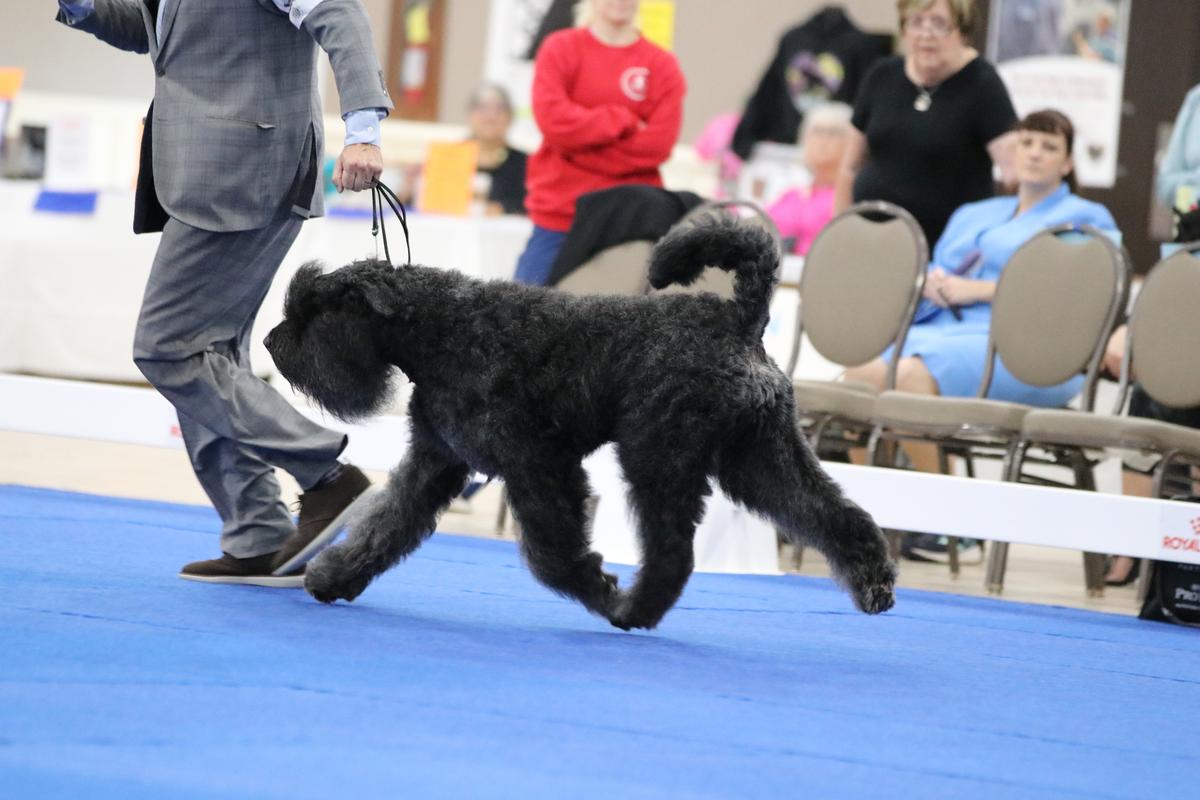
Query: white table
71	285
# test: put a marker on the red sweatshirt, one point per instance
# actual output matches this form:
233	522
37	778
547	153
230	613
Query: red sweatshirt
608	116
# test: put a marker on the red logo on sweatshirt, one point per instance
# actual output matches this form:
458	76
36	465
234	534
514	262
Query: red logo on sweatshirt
633	83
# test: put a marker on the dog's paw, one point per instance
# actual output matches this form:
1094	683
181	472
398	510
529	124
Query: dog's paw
873	592
327	579
625	614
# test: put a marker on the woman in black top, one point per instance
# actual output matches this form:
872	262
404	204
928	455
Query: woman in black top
929	125
489	115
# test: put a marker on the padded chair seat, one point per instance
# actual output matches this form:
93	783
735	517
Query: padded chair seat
847	399
1055	426
949	416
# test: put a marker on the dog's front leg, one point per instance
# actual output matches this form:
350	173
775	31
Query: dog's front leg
555	538
399	519
666	528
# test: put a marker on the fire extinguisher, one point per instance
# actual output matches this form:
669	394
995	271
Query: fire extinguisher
417	36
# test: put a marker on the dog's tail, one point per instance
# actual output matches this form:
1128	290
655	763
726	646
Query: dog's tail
746	250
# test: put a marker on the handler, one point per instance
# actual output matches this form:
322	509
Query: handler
230	161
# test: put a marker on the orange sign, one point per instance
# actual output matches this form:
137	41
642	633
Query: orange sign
10	82
446	183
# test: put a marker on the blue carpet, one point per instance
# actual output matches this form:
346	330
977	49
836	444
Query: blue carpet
456	675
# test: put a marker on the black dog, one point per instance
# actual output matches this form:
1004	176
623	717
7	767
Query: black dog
522	382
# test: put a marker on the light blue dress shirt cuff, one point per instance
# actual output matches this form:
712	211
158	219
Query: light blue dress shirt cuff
77	10
362	126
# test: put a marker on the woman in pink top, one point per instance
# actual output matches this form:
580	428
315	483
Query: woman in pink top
801	213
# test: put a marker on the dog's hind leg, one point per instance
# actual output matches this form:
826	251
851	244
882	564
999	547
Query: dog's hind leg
667	497
398	520
549	505
773	472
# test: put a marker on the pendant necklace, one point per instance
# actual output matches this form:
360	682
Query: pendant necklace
924	98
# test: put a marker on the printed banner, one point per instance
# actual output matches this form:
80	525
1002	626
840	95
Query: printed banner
1068	55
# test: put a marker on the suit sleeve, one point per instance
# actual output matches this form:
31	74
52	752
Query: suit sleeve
115	22
341	28
566	125
649	147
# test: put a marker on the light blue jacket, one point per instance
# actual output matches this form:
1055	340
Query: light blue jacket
1181	164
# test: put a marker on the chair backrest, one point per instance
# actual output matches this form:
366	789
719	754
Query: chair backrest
1055	305
714	280
1164	330
861	282
620	269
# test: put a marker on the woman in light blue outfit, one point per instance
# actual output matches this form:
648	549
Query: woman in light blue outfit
1180	169
945	349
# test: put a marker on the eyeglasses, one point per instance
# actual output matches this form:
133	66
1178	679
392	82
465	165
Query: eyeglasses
936	26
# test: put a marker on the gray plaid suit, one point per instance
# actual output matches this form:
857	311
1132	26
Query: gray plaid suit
236	141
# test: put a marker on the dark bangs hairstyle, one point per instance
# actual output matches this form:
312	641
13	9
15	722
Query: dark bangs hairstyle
1050	121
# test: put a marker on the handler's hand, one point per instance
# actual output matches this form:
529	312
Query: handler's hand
357	167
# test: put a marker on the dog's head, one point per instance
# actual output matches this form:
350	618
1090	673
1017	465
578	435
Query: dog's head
328	344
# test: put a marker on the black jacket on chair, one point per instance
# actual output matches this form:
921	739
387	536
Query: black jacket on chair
614	216
822	60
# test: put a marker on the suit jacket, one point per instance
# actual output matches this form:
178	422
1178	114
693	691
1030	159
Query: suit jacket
235	132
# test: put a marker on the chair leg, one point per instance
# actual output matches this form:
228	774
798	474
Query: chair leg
797	556
502	514
997	555
893	543
1093	563
997	561
817	431
881	453
1093	573
877	447
951	541
1142	585
1146	565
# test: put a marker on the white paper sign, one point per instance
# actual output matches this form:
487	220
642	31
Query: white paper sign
1067	55
69	151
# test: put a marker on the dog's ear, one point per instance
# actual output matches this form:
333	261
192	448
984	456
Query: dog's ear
379	291
302	290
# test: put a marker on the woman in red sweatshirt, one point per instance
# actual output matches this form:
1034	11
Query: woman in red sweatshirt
609	105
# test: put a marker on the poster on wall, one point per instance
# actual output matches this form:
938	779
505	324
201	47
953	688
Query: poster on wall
513	27
1068	55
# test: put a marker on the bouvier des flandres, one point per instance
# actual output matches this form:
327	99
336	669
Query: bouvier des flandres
523	382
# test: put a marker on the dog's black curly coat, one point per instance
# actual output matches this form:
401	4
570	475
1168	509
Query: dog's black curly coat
522	382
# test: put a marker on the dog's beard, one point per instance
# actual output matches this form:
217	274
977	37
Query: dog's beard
353	395
341	374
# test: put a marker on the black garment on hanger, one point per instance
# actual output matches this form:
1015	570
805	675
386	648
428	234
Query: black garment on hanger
609	217
823	59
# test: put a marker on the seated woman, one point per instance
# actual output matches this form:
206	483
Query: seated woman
801	213
944	351
489	115
499	184
946	345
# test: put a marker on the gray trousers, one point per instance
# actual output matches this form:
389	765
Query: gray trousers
193	344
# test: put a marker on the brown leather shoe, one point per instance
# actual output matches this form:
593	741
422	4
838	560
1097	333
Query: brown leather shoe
253	571
323	514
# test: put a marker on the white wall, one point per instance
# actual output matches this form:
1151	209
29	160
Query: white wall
58	59
723	47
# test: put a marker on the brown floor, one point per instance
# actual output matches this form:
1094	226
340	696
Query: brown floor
1035	574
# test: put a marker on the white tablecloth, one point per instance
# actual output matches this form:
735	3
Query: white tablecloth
71	285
